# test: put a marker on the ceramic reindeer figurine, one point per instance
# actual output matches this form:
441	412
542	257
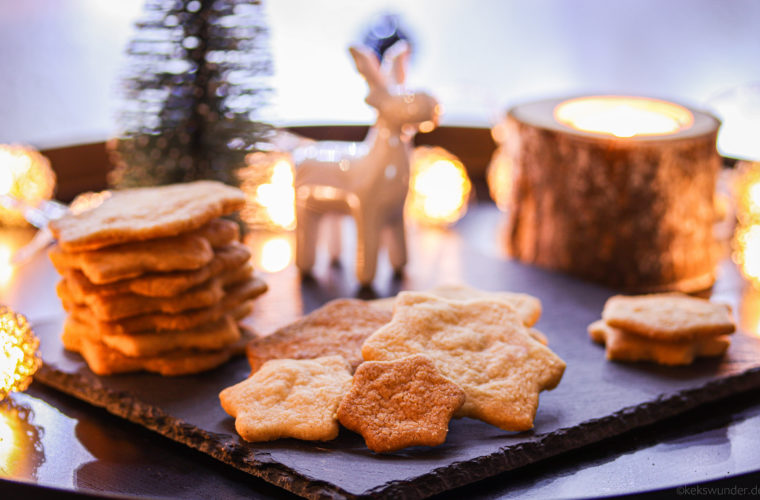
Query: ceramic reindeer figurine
367	180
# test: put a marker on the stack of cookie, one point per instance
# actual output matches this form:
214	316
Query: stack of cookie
155	280
666	328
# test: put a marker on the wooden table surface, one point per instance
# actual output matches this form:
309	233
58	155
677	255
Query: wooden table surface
52	444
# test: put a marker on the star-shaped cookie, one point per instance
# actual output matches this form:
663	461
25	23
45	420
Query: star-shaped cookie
481	345
402	403
289	398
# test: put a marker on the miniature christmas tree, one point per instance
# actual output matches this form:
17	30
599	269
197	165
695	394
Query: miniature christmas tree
195	79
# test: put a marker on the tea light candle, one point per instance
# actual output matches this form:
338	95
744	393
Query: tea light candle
615	189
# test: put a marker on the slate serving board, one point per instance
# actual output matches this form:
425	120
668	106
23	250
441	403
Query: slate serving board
595	400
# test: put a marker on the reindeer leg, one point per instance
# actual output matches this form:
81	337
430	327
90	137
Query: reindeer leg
334	243
397	244
367	245
306	238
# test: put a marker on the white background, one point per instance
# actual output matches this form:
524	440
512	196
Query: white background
60	59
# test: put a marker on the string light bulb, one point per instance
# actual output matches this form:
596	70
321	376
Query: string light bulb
26	175
19	358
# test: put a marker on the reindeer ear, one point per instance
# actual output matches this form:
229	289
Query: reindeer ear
368	66
395	61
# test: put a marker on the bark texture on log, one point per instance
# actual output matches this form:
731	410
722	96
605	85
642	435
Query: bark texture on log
632	213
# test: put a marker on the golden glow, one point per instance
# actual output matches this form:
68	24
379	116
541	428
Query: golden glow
276	254
623	116
6	268
19	359
20	441
271	252
427	126
9	442
88	201
749	311
747	192
747	252
267	181
439	187
499	178
24	174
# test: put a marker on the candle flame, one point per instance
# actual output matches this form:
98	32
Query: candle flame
623	116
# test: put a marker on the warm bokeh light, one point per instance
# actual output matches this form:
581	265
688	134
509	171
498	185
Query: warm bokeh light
272	252
499	178
25	175
19	359
6	268
267	179
621	116
439	187
87	201
20	440
276	254
747	192
747	252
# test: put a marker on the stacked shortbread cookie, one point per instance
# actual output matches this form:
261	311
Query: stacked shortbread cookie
155	280
666	328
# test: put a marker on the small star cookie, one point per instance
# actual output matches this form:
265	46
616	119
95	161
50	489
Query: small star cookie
289	398
396	404
481	345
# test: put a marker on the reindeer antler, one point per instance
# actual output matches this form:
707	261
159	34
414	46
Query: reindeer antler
369	67
395	62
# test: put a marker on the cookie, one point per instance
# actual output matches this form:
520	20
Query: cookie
625	346
115	307
538	336
183	252
234	302
227	257
402	403
146	213
339	327
103	360
128	305
219	232
178	253
527	306
208	337
668	316
289	398
481	345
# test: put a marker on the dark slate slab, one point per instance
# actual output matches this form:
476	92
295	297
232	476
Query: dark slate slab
596	399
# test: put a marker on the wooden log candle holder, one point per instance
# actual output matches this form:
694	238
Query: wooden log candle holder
615	195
